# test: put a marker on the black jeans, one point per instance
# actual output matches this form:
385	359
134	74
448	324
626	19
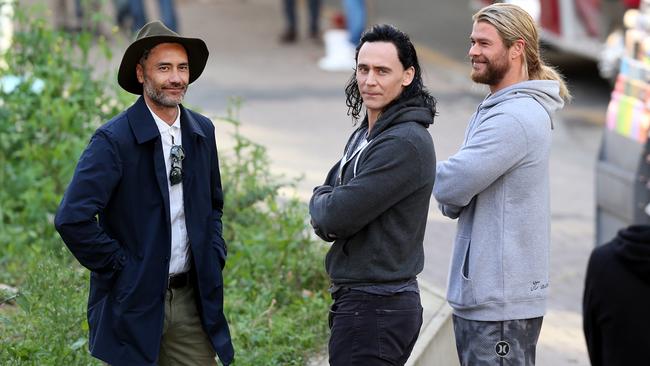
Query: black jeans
373	330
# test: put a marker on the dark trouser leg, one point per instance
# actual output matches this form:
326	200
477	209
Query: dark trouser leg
314	17
289	35
168	14
500	343
290	14
373	330
355	13
138	14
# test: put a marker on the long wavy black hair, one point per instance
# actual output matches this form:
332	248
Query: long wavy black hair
407	57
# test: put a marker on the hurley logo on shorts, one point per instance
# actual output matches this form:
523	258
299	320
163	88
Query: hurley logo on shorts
502	348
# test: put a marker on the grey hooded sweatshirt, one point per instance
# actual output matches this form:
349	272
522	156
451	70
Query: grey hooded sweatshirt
497	185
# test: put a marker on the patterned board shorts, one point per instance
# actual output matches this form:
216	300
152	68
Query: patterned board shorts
499	343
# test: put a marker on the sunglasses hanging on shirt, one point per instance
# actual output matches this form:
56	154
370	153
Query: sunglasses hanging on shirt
177	155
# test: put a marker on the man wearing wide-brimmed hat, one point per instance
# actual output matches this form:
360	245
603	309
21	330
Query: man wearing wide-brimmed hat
143	213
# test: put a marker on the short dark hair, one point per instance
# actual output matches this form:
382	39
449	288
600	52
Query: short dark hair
407	57
145	55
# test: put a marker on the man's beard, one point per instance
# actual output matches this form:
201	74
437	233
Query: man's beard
495	70
158	96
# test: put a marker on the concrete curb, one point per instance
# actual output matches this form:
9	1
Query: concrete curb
436	344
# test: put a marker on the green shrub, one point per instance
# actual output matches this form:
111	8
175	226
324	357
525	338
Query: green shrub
46	120
50	325
275	295
275	283
47	117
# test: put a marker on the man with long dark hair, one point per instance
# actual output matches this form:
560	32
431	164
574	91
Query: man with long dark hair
374	205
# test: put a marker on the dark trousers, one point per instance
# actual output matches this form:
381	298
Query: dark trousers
373	330
290	15
167	14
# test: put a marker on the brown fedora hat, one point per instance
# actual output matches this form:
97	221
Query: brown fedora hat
152	34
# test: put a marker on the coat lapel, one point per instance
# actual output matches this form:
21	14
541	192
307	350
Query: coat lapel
191	133
145	130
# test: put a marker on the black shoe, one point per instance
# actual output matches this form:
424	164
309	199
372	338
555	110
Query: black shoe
288	37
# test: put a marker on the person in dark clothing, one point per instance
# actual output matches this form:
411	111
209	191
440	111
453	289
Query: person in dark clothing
617	299
290	34
167	14
143	213
374	206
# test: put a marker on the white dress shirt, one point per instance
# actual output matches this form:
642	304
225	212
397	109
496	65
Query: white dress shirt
179	260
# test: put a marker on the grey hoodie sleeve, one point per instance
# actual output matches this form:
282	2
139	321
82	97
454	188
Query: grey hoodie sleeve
497	145
390	171
450	211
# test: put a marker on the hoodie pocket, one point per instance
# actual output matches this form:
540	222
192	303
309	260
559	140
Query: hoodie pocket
460	289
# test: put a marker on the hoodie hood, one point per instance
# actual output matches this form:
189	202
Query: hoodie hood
632	248
545	92
409	110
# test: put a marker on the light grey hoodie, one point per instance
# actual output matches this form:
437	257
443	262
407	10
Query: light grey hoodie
497	185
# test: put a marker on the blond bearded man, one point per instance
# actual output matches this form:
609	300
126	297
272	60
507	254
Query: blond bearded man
497	185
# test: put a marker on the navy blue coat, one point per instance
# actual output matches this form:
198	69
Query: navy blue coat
114	218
